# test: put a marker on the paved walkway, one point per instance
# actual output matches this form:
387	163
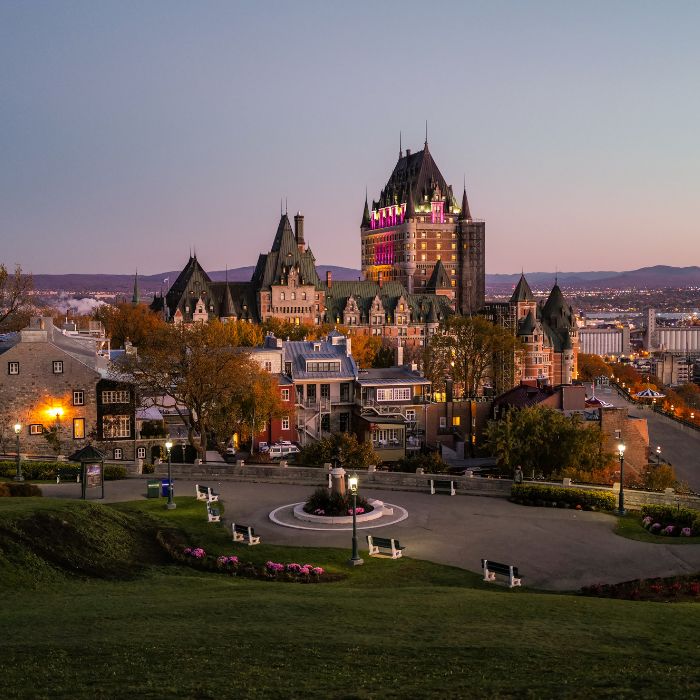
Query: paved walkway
554	549
679	445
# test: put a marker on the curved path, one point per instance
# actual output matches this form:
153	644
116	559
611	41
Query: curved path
554	549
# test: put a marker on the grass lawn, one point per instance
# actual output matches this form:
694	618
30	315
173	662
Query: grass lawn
389	629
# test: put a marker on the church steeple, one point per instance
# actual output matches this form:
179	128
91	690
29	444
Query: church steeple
136	297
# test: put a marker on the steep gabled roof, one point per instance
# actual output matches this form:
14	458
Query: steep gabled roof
439	279
193	277
419	172
522	291
284	256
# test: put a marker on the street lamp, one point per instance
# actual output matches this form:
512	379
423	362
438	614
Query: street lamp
18	475
170	505
621	502
658	455
355	559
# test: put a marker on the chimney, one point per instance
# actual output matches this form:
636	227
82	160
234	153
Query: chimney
329	279
408	152
399	355
299	231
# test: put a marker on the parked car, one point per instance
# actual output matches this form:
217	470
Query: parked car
281	450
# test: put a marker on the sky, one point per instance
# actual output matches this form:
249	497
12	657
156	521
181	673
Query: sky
133	131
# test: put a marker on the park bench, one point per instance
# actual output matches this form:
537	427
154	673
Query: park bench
491	568
384	545
205	493
244	533
213	514
442	486
67	475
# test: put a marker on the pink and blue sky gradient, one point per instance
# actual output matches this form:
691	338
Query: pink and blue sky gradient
132	130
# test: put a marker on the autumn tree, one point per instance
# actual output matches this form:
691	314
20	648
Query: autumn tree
468	349
343	447
15	292
133	322
284	329
215	386
592	366
365	349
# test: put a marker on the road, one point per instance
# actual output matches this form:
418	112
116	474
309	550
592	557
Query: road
680	446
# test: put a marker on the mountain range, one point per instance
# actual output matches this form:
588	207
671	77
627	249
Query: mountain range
656	277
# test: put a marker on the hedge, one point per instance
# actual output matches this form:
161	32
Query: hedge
47	471
670	515
536	494
18	488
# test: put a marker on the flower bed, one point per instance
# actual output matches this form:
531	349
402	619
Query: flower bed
667	521
231	565
561	497
328	504
676	589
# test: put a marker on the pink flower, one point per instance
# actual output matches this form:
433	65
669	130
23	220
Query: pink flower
304	571
317	570
685	532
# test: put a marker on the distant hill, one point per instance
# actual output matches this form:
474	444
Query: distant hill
656	277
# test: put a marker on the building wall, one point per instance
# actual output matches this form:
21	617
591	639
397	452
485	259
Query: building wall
605	341
35	395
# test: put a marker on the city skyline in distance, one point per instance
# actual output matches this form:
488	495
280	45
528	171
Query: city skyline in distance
132	134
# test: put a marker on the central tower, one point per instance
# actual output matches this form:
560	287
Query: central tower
416	223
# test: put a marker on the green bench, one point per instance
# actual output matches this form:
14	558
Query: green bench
244	533
384	546
491	568
442	486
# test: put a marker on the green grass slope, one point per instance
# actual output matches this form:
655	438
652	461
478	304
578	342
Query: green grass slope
403	629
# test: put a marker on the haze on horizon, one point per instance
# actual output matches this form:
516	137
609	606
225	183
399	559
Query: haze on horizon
131	131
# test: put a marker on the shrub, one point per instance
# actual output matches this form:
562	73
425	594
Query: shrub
114	472
666	516
432	463
18	488
332	504
47	471
531	494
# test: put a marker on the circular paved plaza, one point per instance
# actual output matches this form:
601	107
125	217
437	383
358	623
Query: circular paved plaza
554	549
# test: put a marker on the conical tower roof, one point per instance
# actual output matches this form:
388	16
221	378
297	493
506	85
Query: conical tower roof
465	214
439	279
136	297
410	207
366	223
522	291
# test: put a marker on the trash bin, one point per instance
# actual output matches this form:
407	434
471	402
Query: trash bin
152	489
164	483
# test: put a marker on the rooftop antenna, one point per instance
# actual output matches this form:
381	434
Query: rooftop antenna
426	132
280	206
400	146
285	206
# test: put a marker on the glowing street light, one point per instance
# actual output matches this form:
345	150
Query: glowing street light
170	505
621	501
658	455
355	560
18	475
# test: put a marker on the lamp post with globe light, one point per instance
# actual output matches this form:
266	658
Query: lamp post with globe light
170	505
621	501
355	560
18	475
658	455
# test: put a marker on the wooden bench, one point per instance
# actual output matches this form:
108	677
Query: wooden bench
213	514
442	486
379	546
72	475
205	493
491	568
244	533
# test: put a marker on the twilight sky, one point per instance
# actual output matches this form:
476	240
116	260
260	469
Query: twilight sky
130	131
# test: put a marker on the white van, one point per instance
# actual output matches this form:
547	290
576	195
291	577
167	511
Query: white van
282	450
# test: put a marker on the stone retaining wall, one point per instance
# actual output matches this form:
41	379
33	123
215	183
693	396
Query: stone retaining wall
399	481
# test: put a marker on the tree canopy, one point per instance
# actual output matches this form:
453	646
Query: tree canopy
545	441
15	302
215	385
468	349
345	447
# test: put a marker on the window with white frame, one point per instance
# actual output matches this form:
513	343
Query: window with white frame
13	367
116	427
58	367
285	423
78	398
141	452
410	414
398	394
285	394
116	396
443	422
36	429
118	453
